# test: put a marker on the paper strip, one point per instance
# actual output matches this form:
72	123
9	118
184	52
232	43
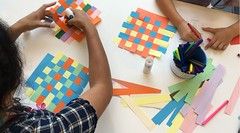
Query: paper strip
140	114
67	35
167	110
176	124
188	124
211	87
234	98
185	110
190	87
149	99
95	14
132	88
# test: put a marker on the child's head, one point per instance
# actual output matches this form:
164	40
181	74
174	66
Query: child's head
10	65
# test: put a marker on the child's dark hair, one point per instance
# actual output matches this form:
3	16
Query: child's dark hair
10	65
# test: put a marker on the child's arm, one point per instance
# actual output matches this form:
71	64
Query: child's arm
222	36
100	92
168	8
30	22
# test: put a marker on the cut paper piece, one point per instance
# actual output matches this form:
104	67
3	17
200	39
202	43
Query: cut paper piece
158	106
185	110
190	87
189	124
210	87
62	30
215	112
172	106
56	81
131	88
177	122
142	100
140	114
234	98
236	40
197	99
146	34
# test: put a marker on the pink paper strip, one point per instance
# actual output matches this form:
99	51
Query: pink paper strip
234	98
201	117
189	124
95	14
67	35
211	86
185	110
197	100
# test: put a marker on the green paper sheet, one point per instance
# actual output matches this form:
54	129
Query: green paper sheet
191	86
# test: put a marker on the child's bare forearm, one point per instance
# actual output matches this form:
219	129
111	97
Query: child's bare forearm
168	9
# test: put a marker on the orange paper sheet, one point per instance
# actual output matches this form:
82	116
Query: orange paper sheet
132	88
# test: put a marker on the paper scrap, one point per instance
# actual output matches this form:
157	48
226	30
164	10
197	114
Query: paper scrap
234	98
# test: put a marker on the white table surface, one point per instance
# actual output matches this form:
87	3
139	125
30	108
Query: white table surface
126	66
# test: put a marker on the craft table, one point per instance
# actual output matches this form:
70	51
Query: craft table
126	66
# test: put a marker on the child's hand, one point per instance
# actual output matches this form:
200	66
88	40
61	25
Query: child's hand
221	39
186	33
36	19
80	20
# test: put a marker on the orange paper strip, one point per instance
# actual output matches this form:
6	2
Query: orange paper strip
133	88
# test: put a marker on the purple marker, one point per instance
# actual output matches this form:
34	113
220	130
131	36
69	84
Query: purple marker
194	47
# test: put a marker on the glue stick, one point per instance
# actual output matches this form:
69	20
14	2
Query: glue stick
69	13
148	65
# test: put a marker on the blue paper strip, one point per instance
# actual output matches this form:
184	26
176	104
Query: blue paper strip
167	110
128	25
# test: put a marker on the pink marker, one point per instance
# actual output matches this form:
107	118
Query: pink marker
215	112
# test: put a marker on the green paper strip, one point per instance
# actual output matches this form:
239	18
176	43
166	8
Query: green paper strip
189	87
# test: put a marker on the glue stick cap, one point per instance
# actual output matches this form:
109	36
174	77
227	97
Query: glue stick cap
69	13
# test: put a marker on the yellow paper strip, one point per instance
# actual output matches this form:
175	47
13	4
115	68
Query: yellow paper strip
177	122
155	105
129	19
140	48
148	99
29	91
166	32
140	114
48	99
117	40
160	42
154	53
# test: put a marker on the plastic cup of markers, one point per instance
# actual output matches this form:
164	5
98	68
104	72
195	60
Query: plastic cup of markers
198	55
